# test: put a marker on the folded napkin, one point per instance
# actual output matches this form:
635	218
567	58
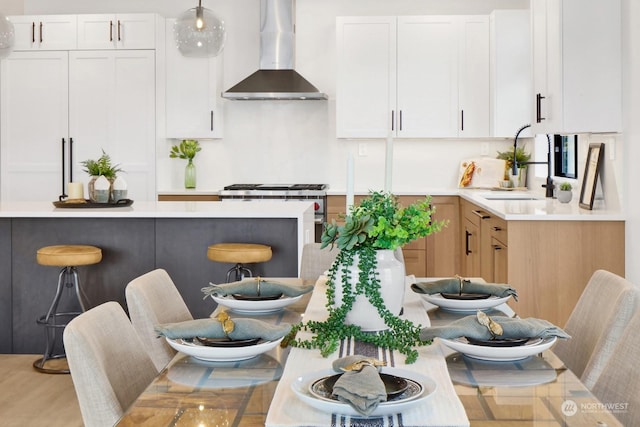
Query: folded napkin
452	286
512	328
212	328
250	287
363	389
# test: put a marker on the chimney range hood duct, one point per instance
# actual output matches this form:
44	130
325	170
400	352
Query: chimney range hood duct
276	78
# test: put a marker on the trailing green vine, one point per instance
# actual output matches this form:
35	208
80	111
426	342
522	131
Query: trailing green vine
378	223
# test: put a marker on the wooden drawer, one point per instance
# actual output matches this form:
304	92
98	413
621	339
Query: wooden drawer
188	198
498	229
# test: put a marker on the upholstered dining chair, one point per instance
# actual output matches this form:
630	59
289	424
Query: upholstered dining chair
316	261
109	367
596	324
153	299
618	386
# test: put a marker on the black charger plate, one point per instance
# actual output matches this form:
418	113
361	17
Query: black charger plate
464	296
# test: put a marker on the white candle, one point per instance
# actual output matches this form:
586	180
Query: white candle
350	196
76	190
388	163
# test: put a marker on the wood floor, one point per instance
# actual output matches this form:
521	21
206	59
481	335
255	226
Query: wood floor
31	399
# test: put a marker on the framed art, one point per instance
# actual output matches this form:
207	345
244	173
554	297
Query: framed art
591	174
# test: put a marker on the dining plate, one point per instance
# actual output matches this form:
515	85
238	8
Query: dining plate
464	305
220	354
427	386
396	387
500	354
244	306
226	342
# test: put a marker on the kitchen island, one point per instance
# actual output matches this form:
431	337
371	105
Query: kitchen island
135	240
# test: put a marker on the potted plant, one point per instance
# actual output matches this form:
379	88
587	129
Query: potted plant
564	192
187	149
521	156
97	168
371	233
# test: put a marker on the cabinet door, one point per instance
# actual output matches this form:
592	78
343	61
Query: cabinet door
44	32
193	105
473	77
471	249
124	31
427	76
442	247
500	261
112	107
34	100
366	77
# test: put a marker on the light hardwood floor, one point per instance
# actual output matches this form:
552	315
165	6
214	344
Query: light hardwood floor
31	399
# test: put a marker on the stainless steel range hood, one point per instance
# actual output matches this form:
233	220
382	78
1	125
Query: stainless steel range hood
276	78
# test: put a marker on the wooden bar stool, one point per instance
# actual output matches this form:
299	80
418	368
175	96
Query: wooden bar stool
240	254
68	257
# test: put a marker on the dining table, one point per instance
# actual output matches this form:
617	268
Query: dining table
459	390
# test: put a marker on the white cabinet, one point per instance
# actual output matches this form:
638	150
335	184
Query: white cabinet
193	103
112	107
413	76
120	31
511	98
44	32
98	99
576	46
33	124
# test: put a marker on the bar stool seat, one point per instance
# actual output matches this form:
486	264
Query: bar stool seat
68	257
240	254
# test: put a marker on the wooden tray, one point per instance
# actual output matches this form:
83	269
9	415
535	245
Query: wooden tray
89	204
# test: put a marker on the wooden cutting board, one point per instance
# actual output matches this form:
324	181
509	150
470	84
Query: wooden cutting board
481	172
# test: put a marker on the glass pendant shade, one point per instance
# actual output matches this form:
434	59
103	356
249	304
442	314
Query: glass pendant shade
7	36
199	33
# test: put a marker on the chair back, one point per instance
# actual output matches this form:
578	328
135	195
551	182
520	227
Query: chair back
618	387
596	324
153	299
109	367
316	261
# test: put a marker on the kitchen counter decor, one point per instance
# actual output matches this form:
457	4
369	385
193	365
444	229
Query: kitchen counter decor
187	150
87	203
102	167
365	286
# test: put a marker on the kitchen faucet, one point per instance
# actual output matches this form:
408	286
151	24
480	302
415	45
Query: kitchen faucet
514	164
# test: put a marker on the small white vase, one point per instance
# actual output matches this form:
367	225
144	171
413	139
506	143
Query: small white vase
564	196
391	273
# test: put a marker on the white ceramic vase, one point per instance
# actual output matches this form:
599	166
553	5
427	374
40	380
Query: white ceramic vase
564	196
391	273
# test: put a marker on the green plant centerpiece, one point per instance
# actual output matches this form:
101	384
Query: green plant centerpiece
521	157
187	149
97	168
565	186
378	223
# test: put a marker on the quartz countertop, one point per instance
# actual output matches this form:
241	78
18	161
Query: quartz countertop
163	210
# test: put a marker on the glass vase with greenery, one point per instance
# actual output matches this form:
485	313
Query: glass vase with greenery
187	149
379	222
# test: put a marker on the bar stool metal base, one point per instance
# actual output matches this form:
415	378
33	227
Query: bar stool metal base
239	271
54	322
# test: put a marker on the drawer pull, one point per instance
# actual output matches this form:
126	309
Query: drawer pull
497	229
481	214
467	251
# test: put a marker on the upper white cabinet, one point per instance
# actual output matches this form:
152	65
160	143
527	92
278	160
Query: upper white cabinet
44	32
193	103
120	31
511	98
413	76
576	46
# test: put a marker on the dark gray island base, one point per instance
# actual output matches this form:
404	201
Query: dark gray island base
130	247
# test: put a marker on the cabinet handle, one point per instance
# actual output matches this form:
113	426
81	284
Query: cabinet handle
110	31
211	120
400	121
481	214
70	159
461	119
119	30
497	247
393	121
62	195
467	251
33	32
40	31
539	99
497	229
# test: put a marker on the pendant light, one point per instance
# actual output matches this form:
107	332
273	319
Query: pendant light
199	33
7	36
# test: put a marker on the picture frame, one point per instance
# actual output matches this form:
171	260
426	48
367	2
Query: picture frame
591	174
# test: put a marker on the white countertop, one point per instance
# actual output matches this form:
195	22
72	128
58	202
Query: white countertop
162	210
